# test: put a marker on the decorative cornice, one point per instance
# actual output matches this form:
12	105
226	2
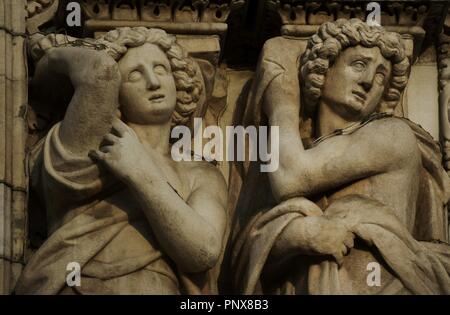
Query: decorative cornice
193	16
419	20
393	13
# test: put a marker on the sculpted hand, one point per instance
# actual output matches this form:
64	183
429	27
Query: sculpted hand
40	44
124	155
328	236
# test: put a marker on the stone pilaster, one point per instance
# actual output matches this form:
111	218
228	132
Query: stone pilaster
13	105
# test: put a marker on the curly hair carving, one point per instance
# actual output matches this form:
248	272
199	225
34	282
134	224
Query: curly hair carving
187	78
332	37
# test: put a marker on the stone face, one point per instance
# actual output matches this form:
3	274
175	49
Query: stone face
87	176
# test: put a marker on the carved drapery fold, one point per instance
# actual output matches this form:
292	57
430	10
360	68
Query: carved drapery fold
200	26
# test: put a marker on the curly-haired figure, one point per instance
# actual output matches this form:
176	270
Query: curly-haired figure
332	39
361	206
133	219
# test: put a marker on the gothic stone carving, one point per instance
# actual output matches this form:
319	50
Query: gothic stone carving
355	185
318	12
40	12
135	220
102	192
302	18
199	16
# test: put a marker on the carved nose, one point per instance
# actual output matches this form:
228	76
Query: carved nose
366	79
367	85
152	80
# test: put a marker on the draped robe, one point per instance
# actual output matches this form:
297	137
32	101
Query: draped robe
420	267
100	226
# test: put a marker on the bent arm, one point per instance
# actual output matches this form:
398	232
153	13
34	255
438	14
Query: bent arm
191	232
293	240
95	78
376	148
379	147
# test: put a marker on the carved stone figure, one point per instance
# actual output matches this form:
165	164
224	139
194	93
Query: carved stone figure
117	204
356	185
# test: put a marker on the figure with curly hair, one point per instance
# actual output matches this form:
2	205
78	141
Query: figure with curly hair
134	220
360	197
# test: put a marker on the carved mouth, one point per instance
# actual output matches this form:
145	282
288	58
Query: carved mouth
362	96
156	97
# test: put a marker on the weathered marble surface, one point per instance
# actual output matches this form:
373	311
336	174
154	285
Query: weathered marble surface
117	204
224	38
374	192
13	181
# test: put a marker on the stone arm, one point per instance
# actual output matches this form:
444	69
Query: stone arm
95	78
380	146
189	229
190	232
314	233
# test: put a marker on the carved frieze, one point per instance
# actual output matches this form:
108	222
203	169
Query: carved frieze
415	20
339	203
318	12
180	17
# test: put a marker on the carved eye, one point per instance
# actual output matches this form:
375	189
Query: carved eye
380	78
160	69
134	75
359	65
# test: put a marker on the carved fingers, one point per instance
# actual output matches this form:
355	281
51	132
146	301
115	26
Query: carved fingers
339	257
104	154
97	155
299	204
121	128
123	154
344	249
349	240
40	44
111	139
114	147
329	236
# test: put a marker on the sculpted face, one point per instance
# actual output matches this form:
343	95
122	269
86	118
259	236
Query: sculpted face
147	92
356	82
